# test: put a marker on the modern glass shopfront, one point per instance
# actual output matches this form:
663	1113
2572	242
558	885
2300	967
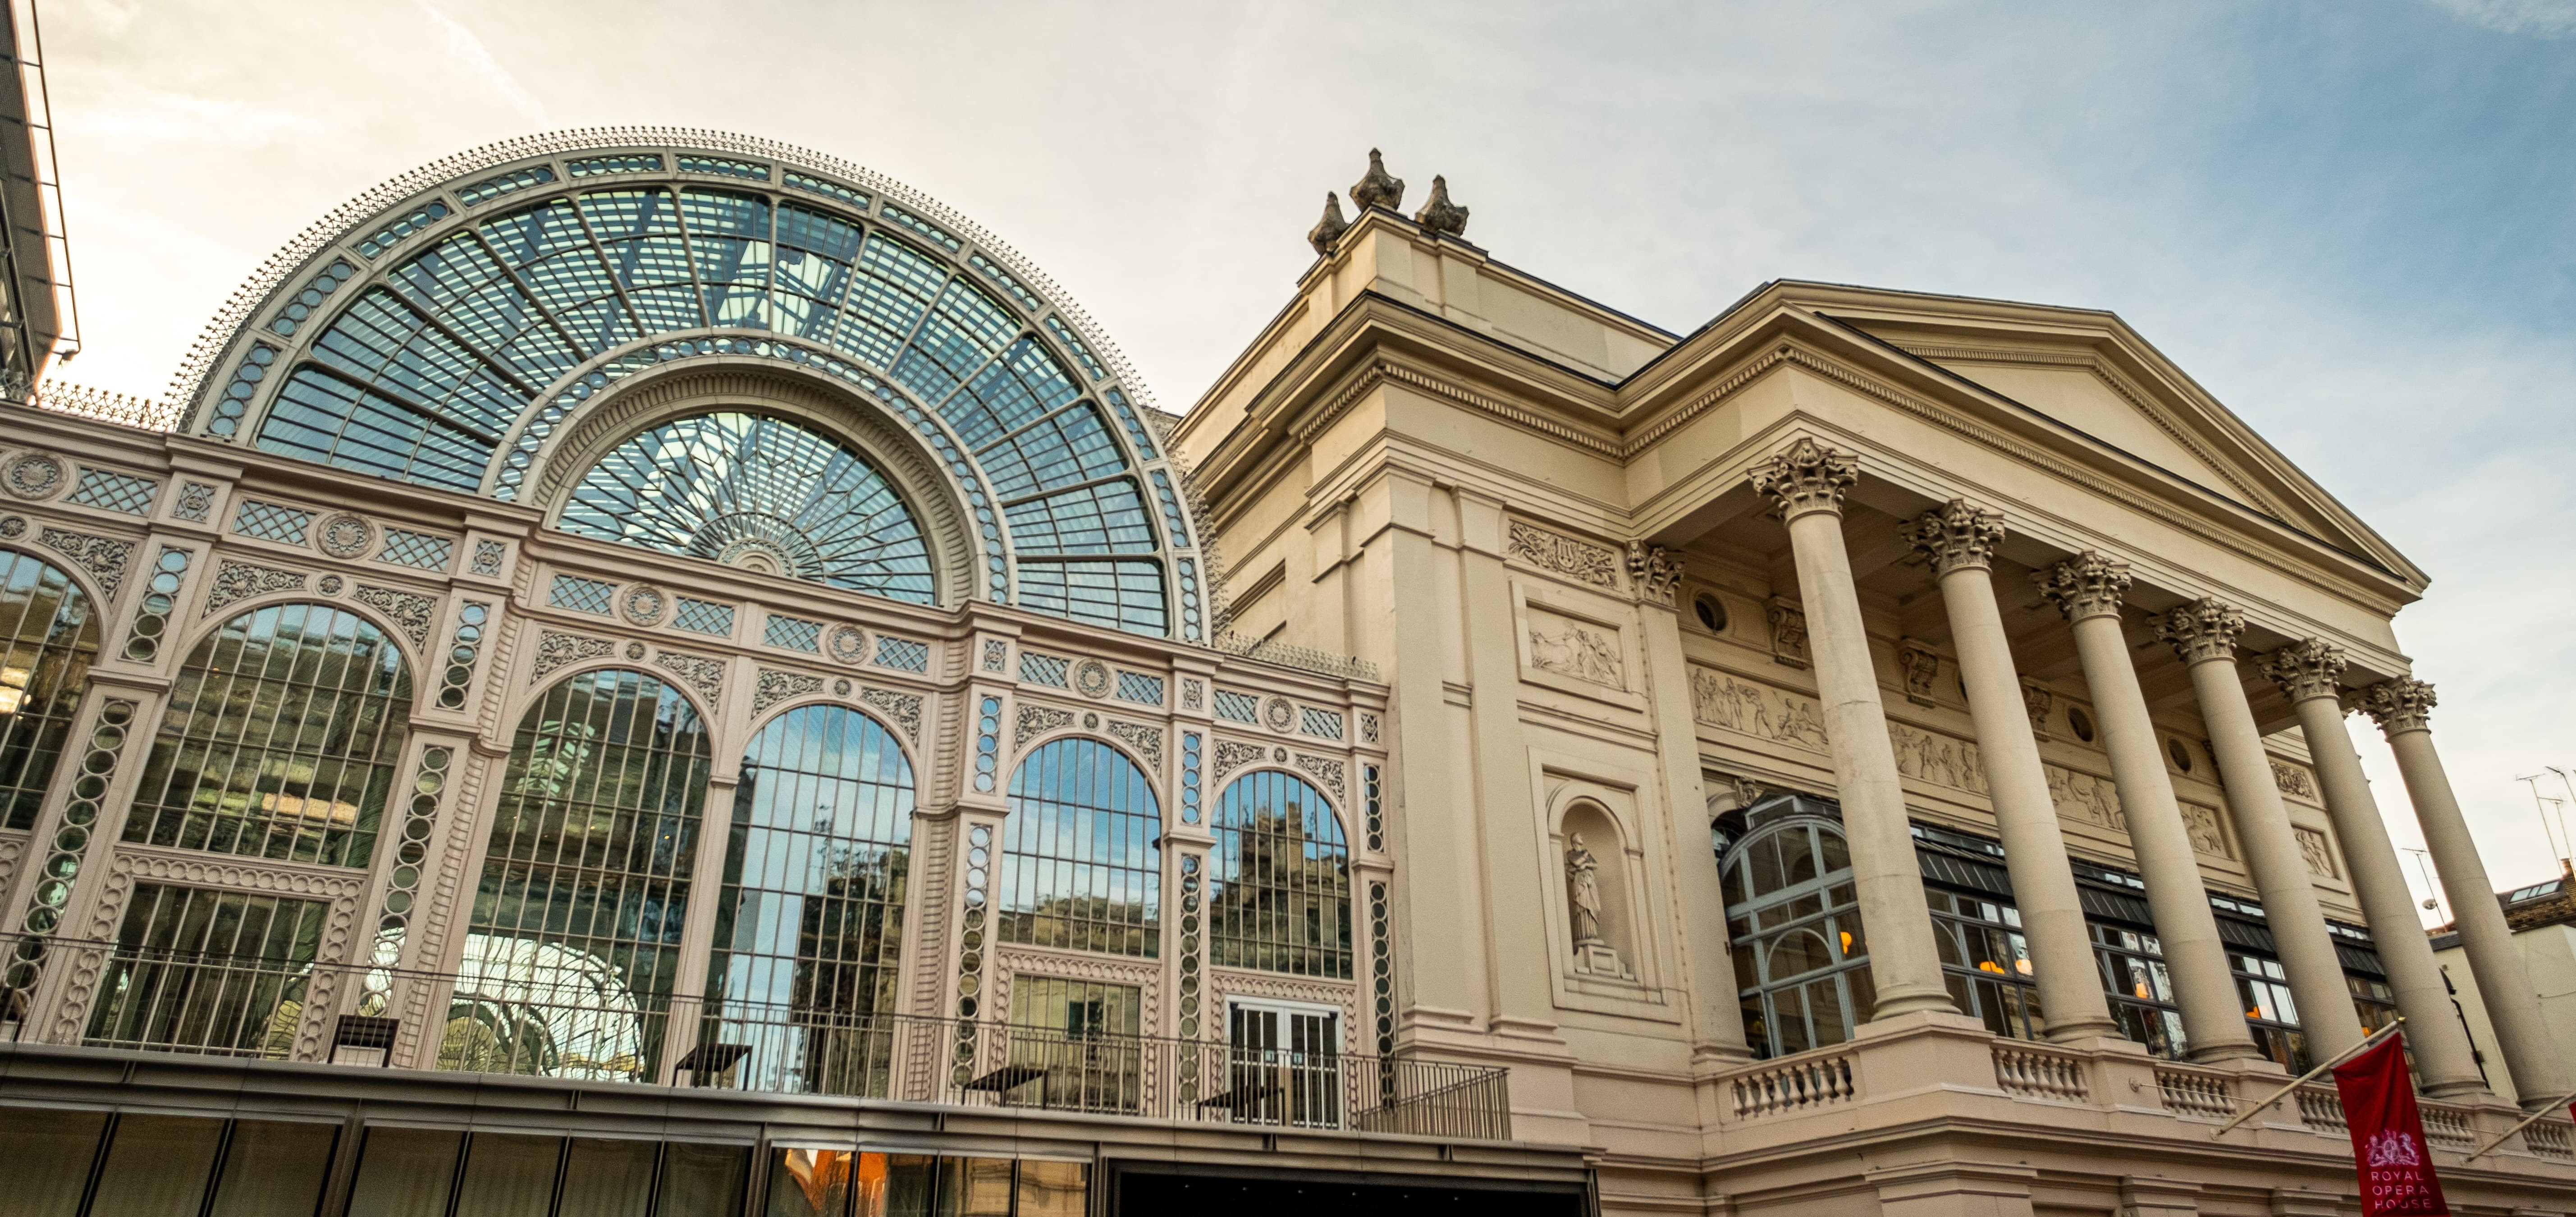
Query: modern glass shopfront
102	1164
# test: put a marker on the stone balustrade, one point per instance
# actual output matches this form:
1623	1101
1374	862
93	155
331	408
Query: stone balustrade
2034	1072
1794	1084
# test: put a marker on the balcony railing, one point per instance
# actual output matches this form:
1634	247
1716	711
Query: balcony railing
509	1014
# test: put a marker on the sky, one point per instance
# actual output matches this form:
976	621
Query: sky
2353	221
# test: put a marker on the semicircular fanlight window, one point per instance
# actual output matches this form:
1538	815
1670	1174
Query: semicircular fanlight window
757	492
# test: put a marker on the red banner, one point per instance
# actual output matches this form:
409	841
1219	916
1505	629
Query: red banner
2388	1134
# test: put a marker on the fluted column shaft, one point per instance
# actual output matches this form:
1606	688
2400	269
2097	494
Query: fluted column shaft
2310	673
2403	708
1808	481
2204	635
1961	541
2088	588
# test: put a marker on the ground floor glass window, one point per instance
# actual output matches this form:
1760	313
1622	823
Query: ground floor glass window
2140	988
1986	962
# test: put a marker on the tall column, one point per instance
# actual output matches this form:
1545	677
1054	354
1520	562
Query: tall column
2310	674
2203	634
1717	1019
2087	588
2404	710
1961	541
1808	481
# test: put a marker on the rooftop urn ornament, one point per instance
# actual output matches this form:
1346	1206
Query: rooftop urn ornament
1328	231
1439	214
1377	188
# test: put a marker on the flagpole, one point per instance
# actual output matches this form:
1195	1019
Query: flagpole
2554	1106
2303	1079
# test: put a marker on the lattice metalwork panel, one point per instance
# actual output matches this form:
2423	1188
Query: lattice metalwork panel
903	653
1323	724
601	166
581	595
271	522
111	491
1045	669
703	617
1240	707
420	550
793	633
1140	688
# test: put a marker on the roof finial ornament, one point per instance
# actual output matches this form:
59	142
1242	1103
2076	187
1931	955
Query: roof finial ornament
1439	214
1378	188
1328	231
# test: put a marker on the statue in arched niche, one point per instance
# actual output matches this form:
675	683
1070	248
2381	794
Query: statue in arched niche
1592	953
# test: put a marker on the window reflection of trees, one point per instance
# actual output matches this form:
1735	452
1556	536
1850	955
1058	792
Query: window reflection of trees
575	940
1801	955
809	932
52	637
1082	860
1282	884
282	739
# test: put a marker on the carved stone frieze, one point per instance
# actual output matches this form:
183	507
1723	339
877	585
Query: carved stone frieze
774	686
2203	631
196	502
1037	720
488	556
1956	536
1572	648
995	651
411	611
1922	667
2293	780
105	558
2207	836
2402	704
1234	754
236	581
1581	561
1147	741
701	673
2318	853
1654	571
2086	585
1932	757
1328	772
556	650
1368	728
2306	669
2037	701
1193	694
1788	633
903	708
1720	700
2085	799
1806	477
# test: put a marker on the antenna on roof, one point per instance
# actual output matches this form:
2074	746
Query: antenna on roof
2432	903
2559	844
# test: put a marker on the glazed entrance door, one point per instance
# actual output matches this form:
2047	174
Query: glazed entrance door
1284	1063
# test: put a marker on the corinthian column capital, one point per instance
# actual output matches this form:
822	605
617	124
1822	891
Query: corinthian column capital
2313	668
2203	630
1956	536
2402	704
1806	477
2086	585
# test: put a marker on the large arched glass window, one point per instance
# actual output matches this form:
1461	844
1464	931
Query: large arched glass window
757	492
1801	959
1082	859
575	945
810	930
282	739
1281	891
52	636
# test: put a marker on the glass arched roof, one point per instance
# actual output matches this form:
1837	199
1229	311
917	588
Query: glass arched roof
444	329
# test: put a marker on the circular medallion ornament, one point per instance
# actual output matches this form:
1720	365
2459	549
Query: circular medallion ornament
1279	755
330	585
841	688
1091	722
644	604
1279	714
1091	678
33	475
344	535
13	526
635	650
849	643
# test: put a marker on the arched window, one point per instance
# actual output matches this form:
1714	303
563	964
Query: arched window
52	635
760	493
1801	959
810	930
1082	859
575	944
282	739
1281	891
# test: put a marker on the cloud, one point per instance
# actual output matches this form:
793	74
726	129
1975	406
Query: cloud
470	53
2539	18
162	115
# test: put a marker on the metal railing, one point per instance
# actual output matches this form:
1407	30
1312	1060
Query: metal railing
510	1014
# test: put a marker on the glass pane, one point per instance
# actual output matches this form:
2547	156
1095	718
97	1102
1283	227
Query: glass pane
1797	858
809	1182
50	636
702	1180
157	1167
1789	1022
1825	1009
405	1172
905	1191
1837	855
509	1176
1280	897
50	1154
1796	953
607	1178
1054	1189
1849	935
1081	867
275	1170
1764	857
975	1187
